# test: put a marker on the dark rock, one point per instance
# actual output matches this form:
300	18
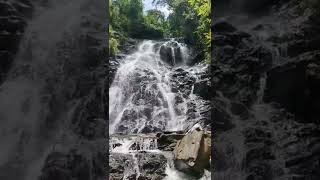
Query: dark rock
202	88
223	27
295	86
167	142
71	165
117	165
151	166
240	110
13	19
171	53
275	137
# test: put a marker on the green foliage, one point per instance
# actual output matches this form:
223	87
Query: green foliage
127	20
188	18
113	42
156	20
135	18
203	10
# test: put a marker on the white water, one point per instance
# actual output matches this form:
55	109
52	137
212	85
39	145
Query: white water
33	122
262	87
141	94
134	144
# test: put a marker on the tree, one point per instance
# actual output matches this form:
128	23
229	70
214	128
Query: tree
190	19
156	20
203	11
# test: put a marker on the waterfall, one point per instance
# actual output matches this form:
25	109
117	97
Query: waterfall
133	145
38	99
141	97
152	92
262	87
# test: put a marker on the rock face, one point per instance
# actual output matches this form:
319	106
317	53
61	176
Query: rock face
71	165
168	141
59	83
142	156
295	85
171	53
13	19
192	153
151	166
264	83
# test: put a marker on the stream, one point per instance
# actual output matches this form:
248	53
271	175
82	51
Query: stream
152	92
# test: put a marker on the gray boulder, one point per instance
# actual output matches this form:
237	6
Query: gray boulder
192	153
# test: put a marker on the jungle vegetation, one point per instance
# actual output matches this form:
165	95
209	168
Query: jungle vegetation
188	19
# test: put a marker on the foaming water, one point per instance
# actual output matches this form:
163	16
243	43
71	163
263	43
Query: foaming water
33	119
132	145
141	96
145	97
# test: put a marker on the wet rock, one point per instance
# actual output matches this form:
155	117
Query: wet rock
270	139
70	165
295	85
129	45
89	118
117	165
151	166
202	88
182	81
65	87
240	63
150	129
167	142
112	66
192	153
240	110
221	119
223	27
13	19
197	56
171	53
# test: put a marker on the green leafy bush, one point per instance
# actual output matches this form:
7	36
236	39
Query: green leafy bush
189	19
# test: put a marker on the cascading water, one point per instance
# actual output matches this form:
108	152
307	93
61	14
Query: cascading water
145	97
141	97
37	99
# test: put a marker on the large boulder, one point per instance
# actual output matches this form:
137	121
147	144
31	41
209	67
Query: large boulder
171	53
168	140
192	153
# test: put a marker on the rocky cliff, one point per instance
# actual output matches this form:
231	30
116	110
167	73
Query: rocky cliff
53	119
13	19
265	80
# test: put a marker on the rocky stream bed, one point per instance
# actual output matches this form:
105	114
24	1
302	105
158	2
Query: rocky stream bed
155	90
